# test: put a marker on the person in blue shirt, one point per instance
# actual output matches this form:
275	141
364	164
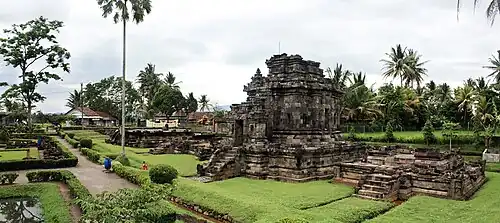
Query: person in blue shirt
107	164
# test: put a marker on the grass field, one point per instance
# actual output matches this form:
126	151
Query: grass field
185	164
484	207
18	155
407	133
248	200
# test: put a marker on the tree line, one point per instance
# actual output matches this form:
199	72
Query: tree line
156	94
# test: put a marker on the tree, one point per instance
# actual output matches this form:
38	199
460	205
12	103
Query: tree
74	100
491	12
25	46
168	100
204	103
416	69
464	97
339	79
149	82
170	80
120	11
191	103
495	66
450	130
397	65
427	131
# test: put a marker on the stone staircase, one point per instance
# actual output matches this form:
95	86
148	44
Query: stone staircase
217	167
377	186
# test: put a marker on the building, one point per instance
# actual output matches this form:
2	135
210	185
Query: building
92	118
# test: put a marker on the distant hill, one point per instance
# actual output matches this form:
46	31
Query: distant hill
223	107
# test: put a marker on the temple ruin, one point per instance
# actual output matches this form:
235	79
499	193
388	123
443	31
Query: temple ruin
287	130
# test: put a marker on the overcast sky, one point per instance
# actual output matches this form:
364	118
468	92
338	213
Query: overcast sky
214	47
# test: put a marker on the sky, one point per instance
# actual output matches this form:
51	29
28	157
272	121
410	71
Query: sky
214	47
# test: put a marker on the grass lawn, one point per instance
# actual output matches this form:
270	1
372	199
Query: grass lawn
248	200
18	155
406	133
55	208
184	163
482	208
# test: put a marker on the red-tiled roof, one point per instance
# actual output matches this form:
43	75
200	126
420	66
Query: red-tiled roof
89	112
199	115
105	115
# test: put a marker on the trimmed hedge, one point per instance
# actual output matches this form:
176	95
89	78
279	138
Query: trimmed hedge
163	174
86	143
8	178
69	161
73	142
76	189
131	174
92	155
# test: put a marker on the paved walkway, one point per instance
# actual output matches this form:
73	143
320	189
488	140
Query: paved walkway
91	175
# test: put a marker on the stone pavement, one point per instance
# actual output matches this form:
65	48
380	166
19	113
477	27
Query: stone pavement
91	175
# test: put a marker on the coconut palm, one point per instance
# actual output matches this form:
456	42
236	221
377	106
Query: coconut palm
170	81
74	100
339	79
122	12
204	103
464	97
149	82
495	66
396	66
491	12
416	70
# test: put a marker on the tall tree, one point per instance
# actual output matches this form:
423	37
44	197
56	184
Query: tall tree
25	46
121	12
495	67
396	65
149	83
416	69
74	100
339	78
204	103
170	80
191	103
491	12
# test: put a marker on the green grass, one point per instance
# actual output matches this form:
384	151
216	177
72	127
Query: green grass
248	200
482	208
18	155
55	208
184	163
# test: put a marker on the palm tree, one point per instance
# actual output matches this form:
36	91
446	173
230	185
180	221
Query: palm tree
491	12
170	81
204	103
339	79
495	66
464	97
74	100
120	11
396	66
150	82
416	70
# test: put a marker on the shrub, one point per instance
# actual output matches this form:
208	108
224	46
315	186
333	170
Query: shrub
86	143
163	173
389	135
4	135
352	134
76	189
71	135
93	155
71	141
123	159
8	178
427	131
131	174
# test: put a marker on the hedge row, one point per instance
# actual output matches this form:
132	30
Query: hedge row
73	142
76	189
418	139
131	174
69	161
8	178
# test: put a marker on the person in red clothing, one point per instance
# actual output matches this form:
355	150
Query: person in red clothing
144	165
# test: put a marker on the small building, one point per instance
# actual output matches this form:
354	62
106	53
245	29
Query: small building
92	118
200	117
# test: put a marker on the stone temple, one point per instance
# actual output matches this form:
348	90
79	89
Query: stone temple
287	130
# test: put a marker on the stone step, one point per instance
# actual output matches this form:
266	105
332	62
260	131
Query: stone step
369	193
381	177
379	183
374	188
365	197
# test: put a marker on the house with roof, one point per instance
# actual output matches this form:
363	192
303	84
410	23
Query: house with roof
87	116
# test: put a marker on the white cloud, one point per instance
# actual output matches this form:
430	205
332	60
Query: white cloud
214	47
